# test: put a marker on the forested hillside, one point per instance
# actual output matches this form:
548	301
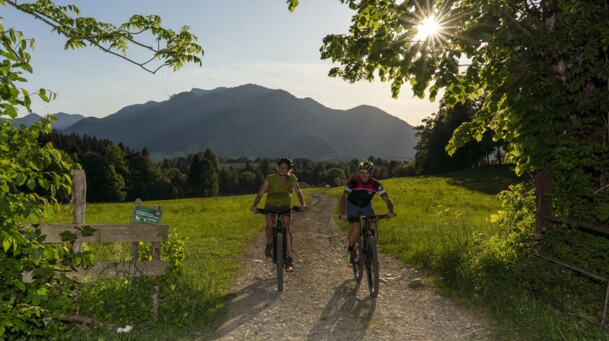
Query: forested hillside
117	173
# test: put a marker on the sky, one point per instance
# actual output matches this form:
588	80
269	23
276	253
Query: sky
245	42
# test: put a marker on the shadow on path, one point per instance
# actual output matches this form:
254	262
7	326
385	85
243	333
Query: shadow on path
251	301
344	311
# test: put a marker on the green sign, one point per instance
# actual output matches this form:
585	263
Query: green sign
145	215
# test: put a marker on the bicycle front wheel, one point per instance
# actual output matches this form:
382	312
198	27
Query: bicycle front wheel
372	267
279	259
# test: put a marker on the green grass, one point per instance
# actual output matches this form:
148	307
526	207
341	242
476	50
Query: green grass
215	231
440	219
433	217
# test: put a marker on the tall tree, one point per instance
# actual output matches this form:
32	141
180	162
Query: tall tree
213	158
104	184
143	174
195	176
431	156
542	65
202	177
210	179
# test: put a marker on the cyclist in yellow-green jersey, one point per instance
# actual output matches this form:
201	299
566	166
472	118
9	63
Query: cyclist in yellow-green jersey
279	189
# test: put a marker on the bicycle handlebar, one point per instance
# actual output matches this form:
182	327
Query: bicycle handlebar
376	216
264	211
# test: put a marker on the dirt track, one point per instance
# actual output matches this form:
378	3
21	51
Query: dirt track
322	301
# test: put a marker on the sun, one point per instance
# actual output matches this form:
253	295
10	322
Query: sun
428	28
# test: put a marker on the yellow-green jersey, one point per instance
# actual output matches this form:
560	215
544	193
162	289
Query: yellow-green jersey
279	193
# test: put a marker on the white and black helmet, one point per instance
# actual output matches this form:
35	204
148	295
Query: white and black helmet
366	166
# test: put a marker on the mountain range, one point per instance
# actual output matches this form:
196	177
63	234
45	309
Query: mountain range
250	121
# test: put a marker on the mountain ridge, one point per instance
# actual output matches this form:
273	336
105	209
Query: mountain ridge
252	121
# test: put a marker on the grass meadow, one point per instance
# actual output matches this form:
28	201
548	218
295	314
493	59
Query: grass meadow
214	231
439	217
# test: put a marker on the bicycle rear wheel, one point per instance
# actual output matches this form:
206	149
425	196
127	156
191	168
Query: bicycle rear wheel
279	259
372	267
358	264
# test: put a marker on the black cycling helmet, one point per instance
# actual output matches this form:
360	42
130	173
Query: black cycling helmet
366	166
285	160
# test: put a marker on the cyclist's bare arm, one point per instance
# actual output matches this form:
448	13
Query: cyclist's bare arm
300	196
261	191
389	203
342	205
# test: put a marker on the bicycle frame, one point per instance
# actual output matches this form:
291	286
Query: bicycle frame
368	256
278	228
279	241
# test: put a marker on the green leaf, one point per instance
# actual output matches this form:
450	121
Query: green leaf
68	236
31	184
88	230
292	4
43	95
7	243
519	170
20	179
44	183
20	285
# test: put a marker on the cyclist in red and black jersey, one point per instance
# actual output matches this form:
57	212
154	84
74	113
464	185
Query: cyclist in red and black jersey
356	201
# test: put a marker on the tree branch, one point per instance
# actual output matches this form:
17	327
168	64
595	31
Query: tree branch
116	34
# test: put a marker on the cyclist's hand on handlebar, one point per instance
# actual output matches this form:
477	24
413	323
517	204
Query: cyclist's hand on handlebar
343	216
253	209
391	214
302	208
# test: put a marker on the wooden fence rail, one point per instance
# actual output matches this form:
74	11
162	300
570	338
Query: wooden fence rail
106	233
110	233
545	214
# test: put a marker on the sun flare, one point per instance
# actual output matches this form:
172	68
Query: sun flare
428	28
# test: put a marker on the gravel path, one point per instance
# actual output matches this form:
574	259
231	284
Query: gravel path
322	301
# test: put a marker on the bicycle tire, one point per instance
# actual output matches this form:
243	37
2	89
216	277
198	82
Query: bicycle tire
279	259
372	267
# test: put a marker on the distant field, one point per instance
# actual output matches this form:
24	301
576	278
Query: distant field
438	212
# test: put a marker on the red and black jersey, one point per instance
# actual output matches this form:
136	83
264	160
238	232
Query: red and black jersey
361	193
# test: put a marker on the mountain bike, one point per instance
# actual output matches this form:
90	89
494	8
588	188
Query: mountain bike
367	255
279	242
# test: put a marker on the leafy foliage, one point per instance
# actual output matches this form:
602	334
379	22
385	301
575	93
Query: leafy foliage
173	49
33	176
27	167
542	65
431	156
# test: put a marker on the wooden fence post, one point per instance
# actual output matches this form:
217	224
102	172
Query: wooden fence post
135	246
156	256
79	199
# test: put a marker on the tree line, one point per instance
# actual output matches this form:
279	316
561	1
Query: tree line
117	173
